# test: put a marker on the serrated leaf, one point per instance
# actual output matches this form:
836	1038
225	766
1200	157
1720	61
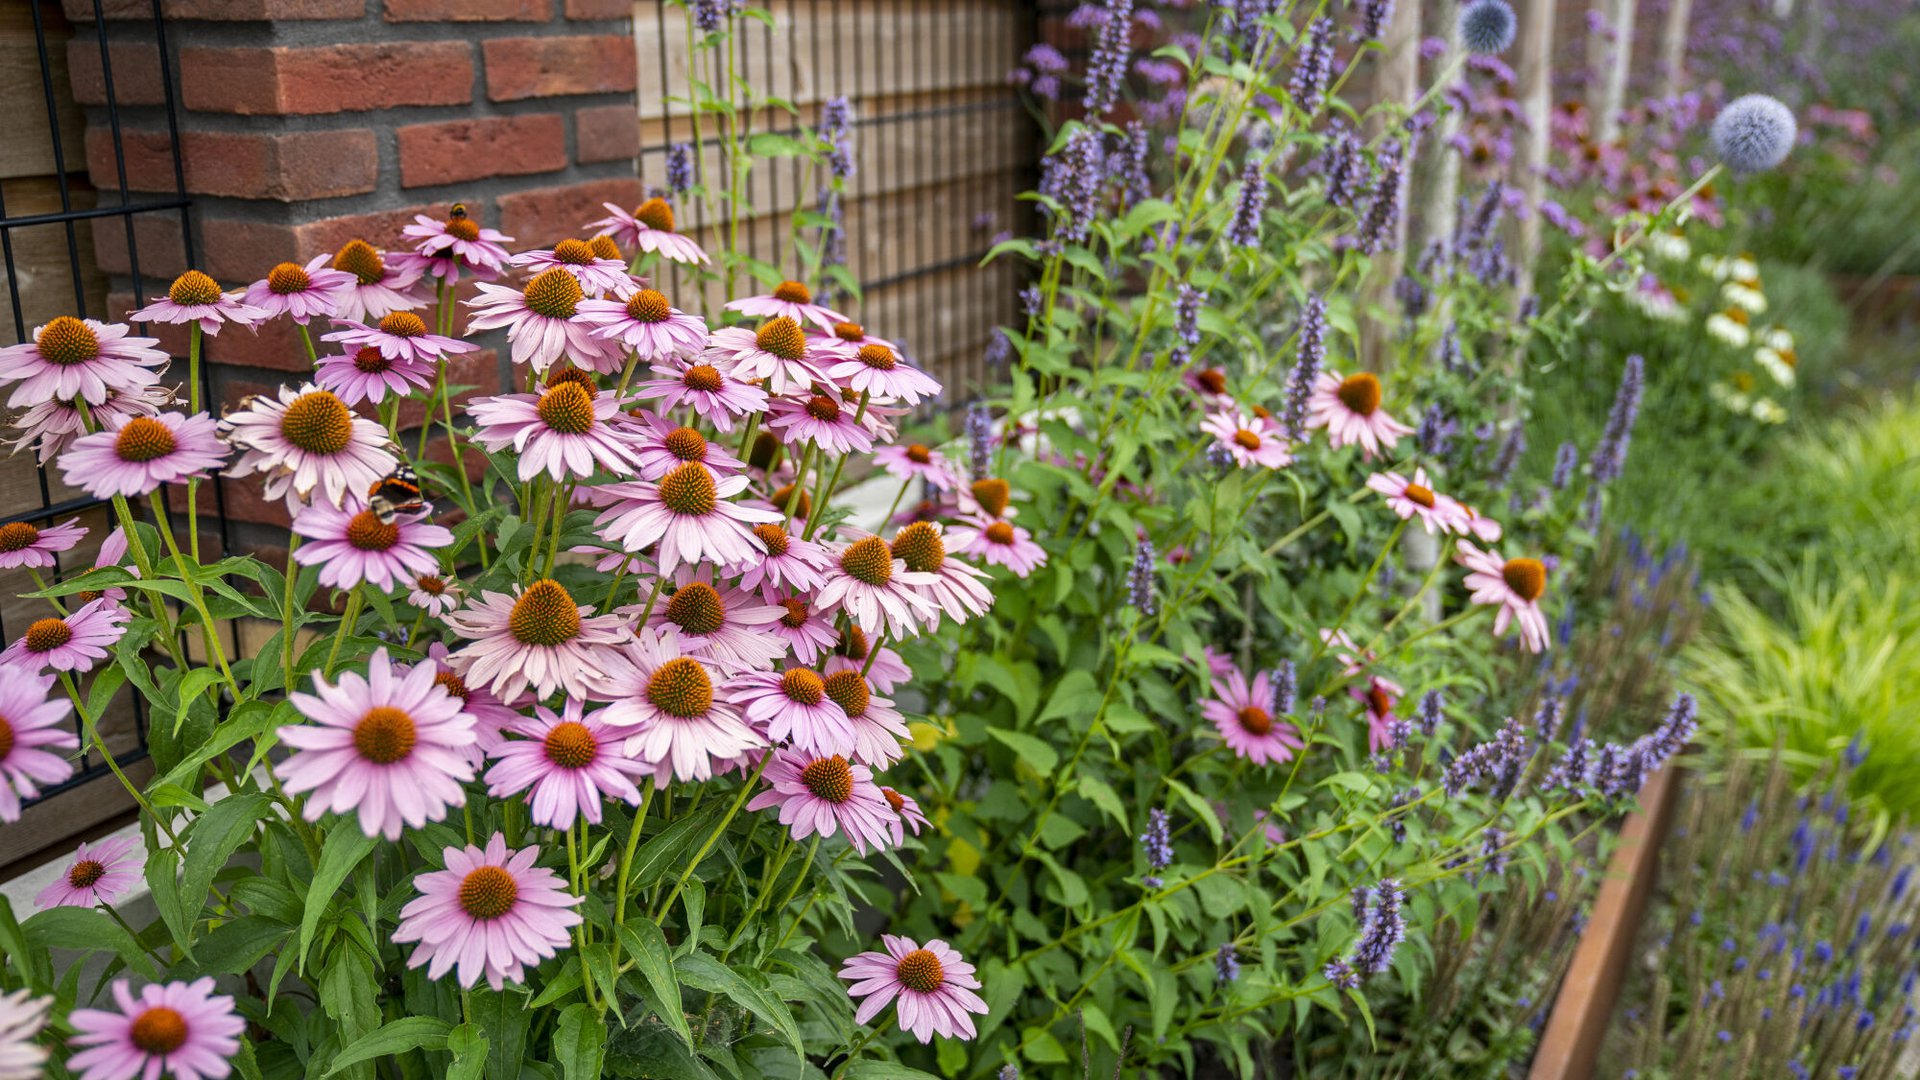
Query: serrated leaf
342	850
699	970
643	941
392	1039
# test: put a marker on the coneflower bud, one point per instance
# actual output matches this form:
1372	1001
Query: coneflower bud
679	168
1610	453
1140	578
1306	366
1249	210
1754	133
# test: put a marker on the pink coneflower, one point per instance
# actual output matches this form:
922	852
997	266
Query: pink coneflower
647	325
727	623
1416	498
793	300
988	497
875	588
458	243
789	562
491	716
72	642
400	336
379	289
112	550
352	545
689	513
435	593
390	747
79	358
934	987
1253	441
1218	664
1353	659
1210	384
649	228
1241	713
537	637
1516	585
23	544
1477	525
491	912
596	275
21	1019
662	447
31	727
367	374
308	439
540	322
805	630
1001	543
678	723
302	292
570	760
958	590
99	874
1350	410
916	461
826	795
132	456
561	431
182	1030
776	355
712	396
196	298
883	667
878	728
1379	697
844	340
878	370
907	814
792	706
53	425
821	419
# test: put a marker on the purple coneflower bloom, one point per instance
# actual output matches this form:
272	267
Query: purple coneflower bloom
879	730
491	716
100	874
34	726
379	289
196	298
845	340
134	455
875	588
367	374
79	358
907	812
540	322
789	561
1416	498
826	795
445	248
308	439
178	1029
1240	714
72	642
649	228
1001	543
726	622
712	396
647	325
562	431
302	292
400	336
821	419
776	354
434	593
881	665
25	544
805	630
933	985
918	461
662	447
53	424
1515	585
491	912
793	300
1350	410
597	276
538	637
958	590
351	545
792	707
21	1019
1254	441
678	724
876	370
572	762
689	513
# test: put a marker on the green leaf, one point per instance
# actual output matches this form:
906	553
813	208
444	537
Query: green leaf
345	846
393	1039
1101	794
580	1042
237	944
1076	695
469	1049
704	972
163	884
667	846
86	929
1201	808
654	960
504	1017
212	840
1031	749
884	1070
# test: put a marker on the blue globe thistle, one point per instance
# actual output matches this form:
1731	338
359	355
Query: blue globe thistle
1753	133
1487	27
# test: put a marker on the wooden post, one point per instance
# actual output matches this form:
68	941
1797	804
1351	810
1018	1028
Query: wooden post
1396	79
1535	72
1607	95
1673	47
1442	204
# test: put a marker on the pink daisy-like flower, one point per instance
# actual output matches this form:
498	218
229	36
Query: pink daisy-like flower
400	336
844	340
726	623
907	814
1353	659
792	706
177	1029
491	716
1350	410
307	440
22	1017
776	355
1210	384
821	419
537	637
570	760
1243	716
933	985
916	461
196	298
379	289
883	668
540	323
688	513
51	426
875	588
1218	664
678	723
1379	696
789	562
989	497
24	544
1477	525
351	545
490	912
445	248
134	455
805	630
649	228
826	795
31	727
100	874
1001	543
79	358
367	374
793	300
561	431
646	325
712	396
879	371
390	747
1416	498
958	591
879	731
302	292
435	594
662	447
1516	585
1255	442
112	550
72	642
577	257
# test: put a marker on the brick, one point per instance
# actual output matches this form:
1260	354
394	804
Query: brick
460	150
81	11
543	216
287	80
234	249
287	167
157	243
599	9
527	67
606	133
468	10
136	73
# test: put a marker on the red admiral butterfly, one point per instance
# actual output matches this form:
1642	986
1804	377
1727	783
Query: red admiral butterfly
397	493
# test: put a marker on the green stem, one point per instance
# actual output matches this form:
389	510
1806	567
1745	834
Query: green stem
348	619
626	858
713	837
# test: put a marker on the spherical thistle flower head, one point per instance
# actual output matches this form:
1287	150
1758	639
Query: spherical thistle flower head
490	913
368	374
998	542
434	593
307	440
301	292
1240	713
176	1029
650	228
135	455
379	287
399	336
32	727
99	874
778	355
537	636
73	642
1415	498
1255	442
878	370
663	446
569	762
52	426
72	358
596	274
1515	586
645	324
563	431
792	300
933	985
671	707
792	706
196	298
541	324
351	545
789	562
1487	27
708	390
459	243
689	512
1349	408
390	747
723	621
918	461
21	1019
1754	133
826	795
28	545
879	730
958	591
